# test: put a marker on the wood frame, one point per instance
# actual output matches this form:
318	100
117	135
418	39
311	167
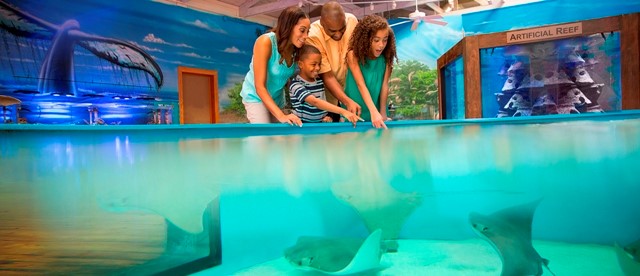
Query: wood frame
213	75
469	48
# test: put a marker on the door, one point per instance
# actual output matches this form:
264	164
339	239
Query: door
197	95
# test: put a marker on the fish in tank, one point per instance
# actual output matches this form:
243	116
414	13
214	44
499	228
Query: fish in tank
436	197
564	76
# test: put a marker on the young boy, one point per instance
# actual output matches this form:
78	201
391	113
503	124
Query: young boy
307	91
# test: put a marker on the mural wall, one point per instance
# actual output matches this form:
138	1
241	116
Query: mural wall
115	62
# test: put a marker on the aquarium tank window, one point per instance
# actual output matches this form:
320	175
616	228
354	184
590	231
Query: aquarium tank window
454	90
566	76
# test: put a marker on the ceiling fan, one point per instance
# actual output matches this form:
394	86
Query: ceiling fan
417	16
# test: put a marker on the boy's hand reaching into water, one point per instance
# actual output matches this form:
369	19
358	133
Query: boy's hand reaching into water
351	117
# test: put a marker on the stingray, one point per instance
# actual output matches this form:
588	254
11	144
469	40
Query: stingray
378	204
509	232
629	258
336	256
634	250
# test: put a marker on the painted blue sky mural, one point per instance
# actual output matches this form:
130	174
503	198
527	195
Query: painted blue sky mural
171	35
429	41
544	12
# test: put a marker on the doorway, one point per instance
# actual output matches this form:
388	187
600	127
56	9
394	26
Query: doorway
198	95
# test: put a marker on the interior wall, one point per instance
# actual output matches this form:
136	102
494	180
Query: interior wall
115	62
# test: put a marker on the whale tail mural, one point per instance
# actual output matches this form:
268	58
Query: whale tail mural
56	74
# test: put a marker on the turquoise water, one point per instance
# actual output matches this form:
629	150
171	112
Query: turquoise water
418	180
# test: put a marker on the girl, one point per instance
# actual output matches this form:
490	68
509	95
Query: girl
271	67
372	50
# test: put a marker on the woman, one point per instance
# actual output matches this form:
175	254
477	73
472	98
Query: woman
372	50
271	67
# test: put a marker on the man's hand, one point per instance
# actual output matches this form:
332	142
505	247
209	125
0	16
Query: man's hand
353	107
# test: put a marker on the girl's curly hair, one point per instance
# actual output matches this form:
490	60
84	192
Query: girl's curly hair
360	42
287	19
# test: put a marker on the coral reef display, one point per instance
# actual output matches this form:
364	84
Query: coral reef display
553	77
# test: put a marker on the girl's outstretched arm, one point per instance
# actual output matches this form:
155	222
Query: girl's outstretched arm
376	118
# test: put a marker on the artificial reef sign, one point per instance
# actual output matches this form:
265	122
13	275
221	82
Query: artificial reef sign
544	33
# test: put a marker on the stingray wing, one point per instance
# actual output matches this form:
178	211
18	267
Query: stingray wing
367	258
23	24
336	256
120	53
626	262
520	217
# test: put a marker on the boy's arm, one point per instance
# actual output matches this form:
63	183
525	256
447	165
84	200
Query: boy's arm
324	105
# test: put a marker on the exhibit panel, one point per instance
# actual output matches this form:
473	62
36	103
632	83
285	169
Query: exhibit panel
577	67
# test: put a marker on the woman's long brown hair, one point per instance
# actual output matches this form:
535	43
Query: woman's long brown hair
287	19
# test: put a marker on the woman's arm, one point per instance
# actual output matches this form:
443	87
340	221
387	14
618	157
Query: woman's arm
384	92
261	55
376	118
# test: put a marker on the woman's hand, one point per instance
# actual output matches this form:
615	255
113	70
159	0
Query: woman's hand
377	120
290	119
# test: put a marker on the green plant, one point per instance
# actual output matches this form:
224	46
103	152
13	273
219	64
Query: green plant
413	90
235	105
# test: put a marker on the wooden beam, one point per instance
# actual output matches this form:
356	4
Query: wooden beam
362	11
483	2
630	61
348	7
472	85
246	5
220	8
268	8
435	7
443	61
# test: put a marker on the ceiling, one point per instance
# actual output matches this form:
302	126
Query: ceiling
266	11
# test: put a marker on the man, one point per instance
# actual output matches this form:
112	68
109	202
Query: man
331	36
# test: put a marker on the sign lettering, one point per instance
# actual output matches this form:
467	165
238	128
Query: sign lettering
545	33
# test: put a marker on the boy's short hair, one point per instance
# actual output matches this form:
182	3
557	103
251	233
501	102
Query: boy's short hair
307	50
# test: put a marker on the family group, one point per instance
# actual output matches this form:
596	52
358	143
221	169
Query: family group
350	59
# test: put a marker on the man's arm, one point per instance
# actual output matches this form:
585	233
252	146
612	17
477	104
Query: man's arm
333	86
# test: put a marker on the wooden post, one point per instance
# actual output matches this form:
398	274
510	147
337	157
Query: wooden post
630	61
472	81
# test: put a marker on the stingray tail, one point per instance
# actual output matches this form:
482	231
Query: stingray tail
546	264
